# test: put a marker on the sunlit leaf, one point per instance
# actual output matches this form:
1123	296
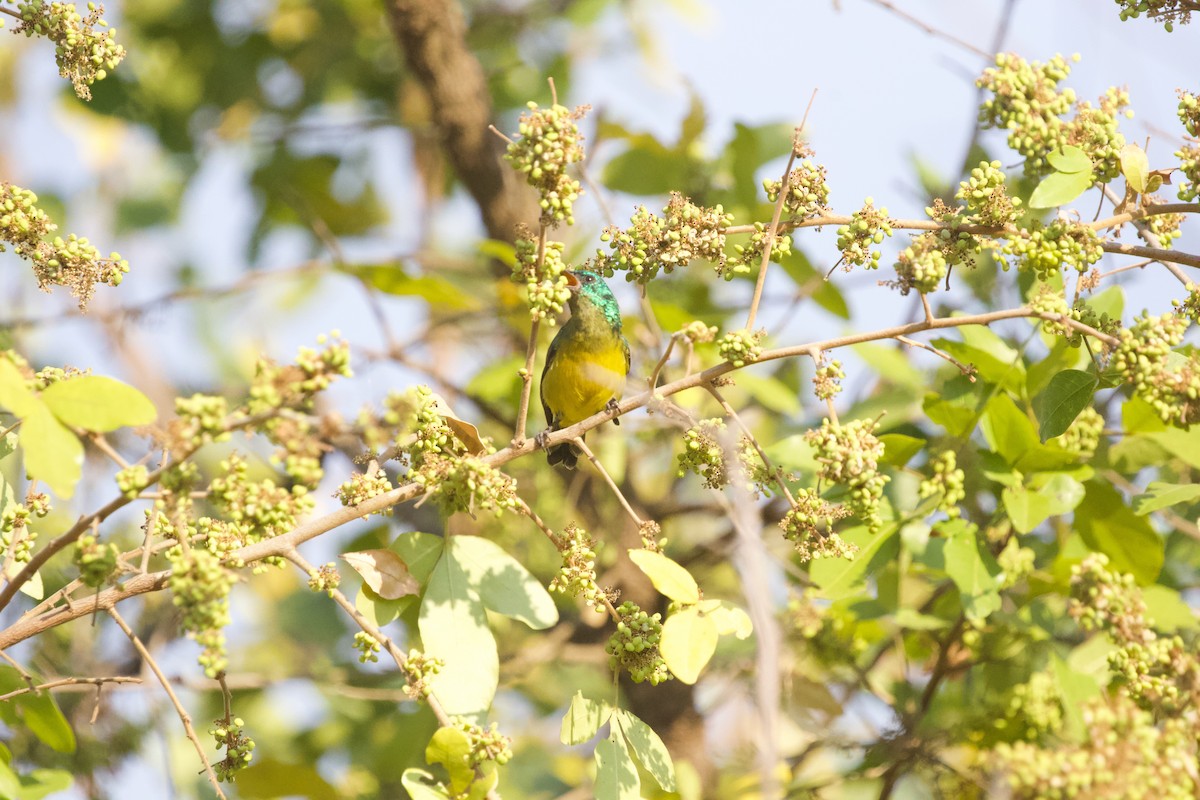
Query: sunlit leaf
648	748
689	640
1160	495
97	403
269	778
1069	158
420	785
1060	188
668	577
616	774
52	453
583	719
503	584
1135	166
451	748
453	626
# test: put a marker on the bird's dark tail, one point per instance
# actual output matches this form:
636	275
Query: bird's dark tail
565	454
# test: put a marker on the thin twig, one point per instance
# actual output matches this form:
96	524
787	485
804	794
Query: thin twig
969	371
587	451
530	353
932	31
179	709
61	682
773	228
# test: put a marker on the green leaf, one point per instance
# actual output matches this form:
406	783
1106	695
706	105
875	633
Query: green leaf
96	403
1108	526
892	364
583	719
898	449
1076	688
914	620
1135	166
451	748
502	582
1007	430
43	783
838	578
975	573
647	168
1060	188
45	720
1184	445
770	393
377	610
453	626
1061	356
1046	496
1069	158
1168	612
394	280
1069	392
689	640
956	406
668	577
616	774
270	778
417	782
420	552
994	360
52	453
1162	495
14	394
648	748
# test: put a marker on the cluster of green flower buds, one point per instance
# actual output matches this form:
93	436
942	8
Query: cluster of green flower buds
95	560
418	669
1122	753
256	510
653	244
827	380
549	142
741	347
1189	307
1033	709
1189	112
859	238
747	257
848	456
1169	381
808	193
634	645
1168	12
324	578
72	262
487	744
1025	100
16	537
946	483
546	282
986	196
809	527
200	588
1047	249
368	647
1083	435
83	54
921	266
363	486
577	576
230	734
703	454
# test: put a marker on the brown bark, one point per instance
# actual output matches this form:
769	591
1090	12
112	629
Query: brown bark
432	34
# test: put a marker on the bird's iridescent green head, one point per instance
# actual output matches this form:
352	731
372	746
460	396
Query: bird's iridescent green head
588	287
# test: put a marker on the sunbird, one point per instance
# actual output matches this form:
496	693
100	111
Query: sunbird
586	364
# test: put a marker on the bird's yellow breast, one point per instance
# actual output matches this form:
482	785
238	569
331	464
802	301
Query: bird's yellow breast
580	381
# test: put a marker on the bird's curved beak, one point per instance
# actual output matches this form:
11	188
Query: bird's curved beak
572	281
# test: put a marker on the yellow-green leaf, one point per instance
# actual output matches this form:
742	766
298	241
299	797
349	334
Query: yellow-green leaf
383	571
689	640
14	394
670	578
583	719
1135	166
52	453
97	403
